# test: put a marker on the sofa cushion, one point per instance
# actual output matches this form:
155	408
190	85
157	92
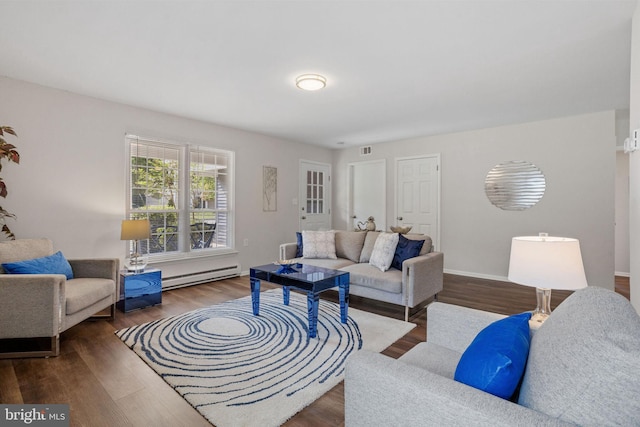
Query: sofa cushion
584	363
52	264
82	293
367	247
349	244
405	249
495	360
367	275
335	264
434	358
383	251
319	244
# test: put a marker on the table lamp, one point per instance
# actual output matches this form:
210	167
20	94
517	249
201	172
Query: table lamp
135	229
546	263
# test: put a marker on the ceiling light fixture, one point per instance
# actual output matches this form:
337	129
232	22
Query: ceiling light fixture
311	82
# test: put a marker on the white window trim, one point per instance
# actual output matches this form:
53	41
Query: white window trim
184	158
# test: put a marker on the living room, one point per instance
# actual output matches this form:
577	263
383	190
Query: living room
70	185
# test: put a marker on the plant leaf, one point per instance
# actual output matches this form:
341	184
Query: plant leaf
3	189
8	232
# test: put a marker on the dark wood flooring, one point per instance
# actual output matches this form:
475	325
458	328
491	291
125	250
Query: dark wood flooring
106	384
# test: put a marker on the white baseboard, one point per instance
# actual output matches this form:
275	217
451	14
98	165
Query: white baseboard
476	275
622	274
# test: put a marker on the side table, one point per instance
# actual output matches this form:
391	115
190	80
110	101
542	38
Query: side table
139	290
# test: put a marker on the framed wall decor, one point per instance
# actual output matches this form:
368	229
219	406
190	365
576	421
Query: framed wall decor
269	189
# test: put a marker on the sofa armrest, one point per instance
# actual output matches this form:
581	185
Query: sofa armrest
380	390
454	326
422	277
288	250
30	305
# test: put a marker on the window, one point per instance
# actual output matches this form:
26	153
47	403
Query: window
185	191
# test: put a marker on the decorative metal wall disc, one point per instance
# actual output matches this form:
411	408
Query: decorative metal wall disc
515	185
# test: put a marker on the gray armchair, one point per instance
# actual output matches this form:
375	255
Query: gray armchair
583	369
44	305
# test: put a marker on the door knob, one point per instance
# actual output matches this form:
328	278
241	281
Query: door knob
399	218
304	217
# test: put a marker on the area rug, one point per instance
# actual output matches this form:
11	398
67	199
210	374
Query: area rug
238	369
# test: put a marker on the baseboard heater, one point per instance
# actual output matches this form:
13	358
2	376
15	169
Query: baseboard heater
200	277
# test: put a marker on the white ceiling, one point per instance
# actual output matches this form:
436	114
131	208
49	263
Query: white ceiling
395	69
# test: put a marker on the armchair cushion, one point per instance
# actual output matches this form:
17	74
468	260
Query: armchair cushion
82	293
52	264
495	360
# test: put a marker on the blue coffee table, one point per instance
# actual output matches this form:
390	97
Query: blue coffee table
310	279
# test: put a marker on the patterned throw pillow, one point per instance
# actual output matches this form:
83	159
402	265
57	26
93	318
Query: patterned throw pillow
319	244
384	250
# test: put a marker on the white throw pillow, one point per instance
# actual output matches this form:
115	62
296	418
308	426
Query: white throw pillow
319	244
383	250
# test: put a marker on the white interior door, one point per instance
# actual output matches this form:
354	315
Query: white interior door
367	193
418	195
315	196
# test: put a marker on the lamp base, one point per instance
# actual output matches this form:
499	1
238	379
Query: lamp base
135	264
543	308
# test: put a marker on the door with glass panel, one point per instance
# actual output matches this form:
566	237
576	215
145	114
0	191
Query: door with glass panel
315	196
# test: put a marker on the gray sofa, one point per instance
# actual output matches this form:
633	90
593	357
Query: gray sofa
583	369
44	305
420	279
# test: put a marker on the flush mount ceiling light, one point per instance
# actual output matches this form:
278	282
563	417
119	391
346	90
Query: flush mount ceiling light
311	82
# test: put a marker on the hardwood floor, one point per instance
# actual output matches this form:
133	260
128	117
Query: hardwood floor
106	384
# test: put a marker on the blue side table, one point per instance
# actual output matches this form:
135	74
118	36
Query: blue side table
139	290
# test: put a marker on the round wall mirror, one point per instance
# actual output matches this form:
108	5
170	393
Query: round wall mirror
515	185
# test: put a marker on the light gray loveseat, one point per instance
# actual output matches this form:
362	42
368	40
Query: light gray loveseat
44	305
421	277
583	369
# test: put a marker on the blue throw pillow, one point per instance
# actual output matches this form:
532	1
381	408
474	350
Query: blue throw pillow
406	249
299	242
495	360
52	264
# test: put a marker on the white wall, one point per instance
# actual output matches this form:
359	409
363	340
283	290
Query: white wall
577	156
634	165
70	183
622	214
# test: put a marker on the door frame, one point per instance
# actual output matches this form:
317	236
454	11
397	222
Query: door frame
350	167
436	239
302	190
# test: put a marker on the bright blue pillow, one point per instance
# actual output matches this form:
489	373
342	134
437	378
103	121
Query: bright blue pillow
299	242
406	249
52	264
495	360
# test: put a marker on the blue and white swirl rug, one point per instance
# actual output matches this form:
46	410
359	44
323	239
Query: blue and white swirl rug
237	369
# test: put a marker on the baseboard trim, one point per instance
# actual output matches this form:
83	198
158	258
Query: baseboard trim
476	275
622	274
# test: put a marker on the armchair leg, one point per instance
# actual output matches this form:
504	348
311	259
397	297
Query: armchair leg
110	316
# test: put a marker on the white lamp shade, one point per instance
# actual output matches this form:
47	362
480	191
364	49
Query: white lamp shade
547	262
135	229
